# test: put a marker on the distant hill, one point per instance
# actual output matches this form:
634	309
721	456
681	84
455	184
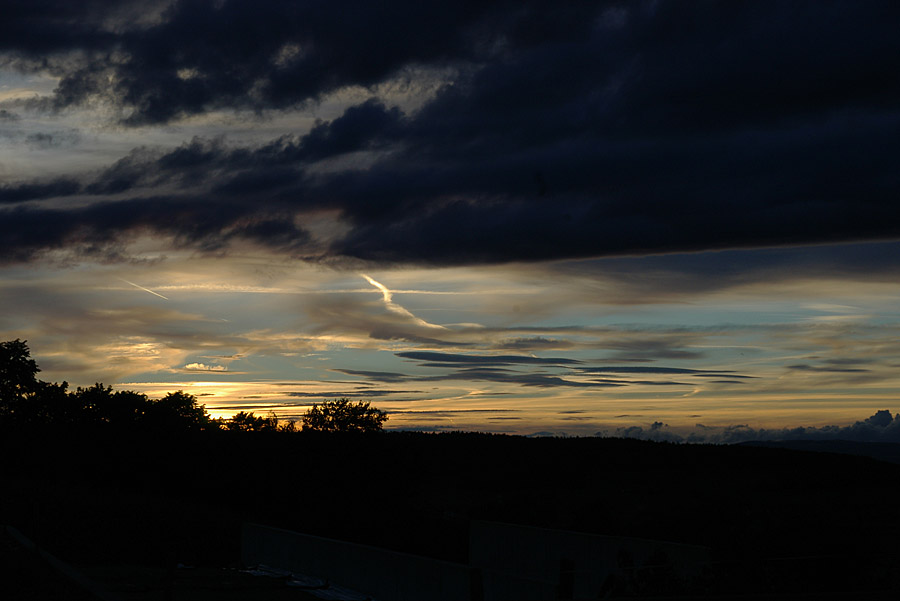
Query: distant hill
882	451
776	516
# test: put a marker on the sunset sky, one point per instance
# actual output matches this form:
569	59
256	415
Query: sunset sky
526	217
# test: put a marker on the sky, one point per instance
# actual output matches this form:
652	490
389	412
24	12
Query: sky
675	220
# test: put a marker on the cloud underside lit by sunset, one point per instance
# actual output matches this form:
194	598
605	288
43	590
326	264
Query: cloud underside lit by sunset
567	218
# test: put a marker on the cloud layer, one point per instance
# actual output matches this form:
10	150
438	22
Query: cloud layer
553	131
879	427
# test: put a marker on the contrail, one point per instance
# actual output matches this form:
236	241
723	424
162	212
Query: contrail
384	291
144	289
394	307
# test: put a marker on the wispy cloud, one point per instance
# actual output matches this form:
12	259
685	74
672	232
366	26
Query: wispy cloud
439	359
204	367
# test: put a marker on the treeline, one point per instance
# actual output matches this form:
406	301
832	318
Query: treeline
26	401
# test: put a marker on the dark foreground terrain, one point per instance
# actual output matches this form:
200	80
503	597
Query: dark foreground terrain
777	520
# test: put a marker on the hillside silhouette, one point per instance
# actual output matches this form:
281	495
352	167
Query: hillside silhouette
777	520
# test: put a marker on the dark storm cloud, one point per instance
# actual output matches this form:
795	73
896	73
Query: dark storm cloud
692	139
361	127
15	193
207	163
33	28
271	173
204	54
98	230
564	129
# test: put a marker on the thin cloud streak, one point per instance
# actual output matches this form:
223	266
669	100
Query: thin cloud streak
145	289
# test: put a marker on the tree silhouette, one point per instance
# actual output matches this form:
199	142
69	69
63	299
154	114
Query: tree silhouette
344	416
178	411
49	404
102	404
248	422
18	378
27	401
